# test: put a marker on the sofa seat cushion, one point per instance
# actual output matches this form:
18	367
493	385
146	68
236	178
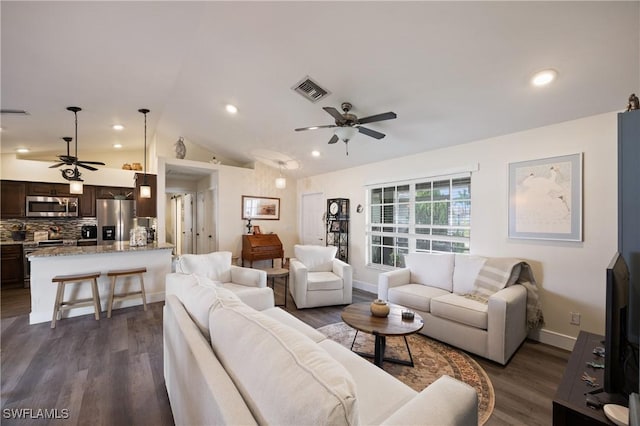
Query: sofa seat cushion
379	393
215	266
316	258
432	269
323	281
461	309
415	296
284	377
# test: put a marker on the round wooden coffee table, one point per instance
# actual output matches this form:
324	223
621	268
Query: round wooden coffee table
358	316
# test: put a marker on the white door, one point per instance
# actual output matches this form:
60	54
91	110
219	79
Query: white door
187	224
313	215
201	238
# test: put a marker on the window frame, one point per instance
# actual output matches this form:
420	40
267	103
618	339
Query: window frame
394	234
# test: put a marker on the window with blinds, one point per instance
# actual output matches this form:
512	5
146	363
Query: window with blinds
429	215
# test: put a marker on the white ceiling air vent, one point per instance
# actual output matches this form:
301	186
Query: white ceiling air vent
310	89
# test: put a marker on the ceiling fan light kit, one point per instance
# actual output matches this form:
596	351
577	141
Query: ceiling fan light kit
348	124
145	188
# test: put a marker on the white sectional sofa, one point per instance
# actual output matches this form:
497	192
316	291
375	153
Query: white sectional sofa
252	363
437	287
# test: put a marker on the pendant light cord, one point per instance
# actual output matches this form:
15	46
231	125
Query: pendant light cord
145	111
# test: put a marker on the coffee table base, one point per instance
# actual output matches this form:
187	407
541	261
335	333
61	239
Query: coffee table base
379	349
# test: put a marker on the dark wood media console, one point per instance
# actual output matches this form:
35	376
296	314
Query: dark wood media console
569	405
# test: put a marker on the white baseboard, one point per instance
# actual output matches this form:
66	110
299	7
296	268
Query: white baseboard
361	285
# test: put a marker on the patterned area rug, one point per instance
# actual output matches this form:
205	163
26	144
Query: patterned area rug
432	359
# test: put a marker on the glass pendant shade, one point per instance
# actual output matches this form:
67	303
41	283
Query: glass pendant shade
145	191
75	187
281	183
346	133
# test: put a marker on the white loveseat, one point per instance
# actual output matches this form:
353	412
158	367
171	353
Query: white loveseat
437	286
249	366
317	278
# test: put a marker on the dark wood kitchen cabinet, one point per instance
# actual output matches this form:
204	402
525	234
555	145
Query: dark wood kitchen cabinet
48	189
12	265
87	201
145	207
12	195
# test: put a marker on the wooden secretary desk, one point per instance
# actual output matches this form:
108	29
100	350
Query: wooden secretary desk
261	247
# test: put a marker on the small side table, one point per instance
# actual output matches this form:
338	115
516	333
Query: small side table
272	274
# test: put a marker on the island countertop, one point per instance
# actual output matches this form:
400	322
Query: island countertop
117	247
46	263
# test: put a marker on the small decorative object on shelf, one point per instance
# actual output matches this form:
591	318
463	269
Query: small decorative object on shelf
380	308
256	230
634	102
181	149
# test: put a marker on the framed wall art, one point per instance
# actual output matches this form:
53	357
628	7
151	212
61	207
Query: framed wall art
545	198
260	208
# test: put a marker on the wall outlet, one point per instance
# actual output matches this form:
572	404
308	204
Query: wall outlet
575	318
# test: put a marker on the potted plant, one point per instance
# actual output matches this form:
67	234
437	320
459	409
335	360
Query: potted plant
18	231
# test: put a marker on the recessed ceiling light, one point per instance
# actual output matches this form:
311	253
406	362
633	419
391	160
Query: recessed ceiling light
315	153
544	77
117	145
231	109
117	127
22	150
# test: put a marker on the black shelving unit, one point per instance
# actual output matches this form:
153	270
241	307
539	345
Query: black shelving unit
338	226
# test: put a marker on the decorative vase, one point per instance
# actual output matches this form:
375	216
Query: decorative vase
380	308
181	149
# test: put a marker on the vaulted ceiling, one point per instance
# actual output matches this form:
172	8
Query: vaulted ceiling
453	72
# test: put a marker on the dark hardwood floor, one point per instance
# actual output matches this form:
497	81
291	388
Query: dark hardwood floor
109	372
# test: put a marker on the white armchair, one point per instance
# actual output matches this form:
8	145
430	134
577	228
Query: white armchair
216	269
317	278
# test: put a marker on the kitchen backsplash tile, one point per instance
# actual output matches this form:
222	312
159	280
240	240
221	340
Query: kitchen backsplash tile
69	228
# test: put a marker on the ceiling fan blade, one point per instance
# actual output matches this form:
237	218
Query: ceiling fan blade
334	113
99	163
371	133
315	127
333	139
57	165
378	117
86	167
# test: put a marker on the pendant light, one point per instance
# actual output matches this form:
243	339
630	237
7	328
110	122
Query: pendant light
145	188
281	182
75	183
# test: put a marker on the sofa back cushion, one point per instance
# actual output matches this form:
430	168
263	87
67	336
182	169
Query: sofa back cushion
316	258
432	269
284	377
215	265
465	272
198	295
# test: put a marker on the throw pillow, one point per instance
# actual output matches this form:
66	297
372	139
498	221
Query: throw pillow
432	269
465	272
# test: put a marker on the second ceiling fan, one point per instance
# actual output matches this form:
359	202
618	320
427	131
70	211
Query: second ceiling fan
348	124
72	160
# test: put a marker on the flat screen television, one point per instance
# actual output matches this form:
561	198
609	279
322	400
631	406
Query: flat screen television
620	358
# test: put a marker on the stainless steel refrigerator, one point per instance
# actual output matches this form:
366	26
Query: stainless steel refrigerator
115	220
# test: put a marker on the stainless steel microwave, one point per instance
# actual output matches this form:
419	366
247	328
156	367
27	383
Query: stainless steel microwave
52	206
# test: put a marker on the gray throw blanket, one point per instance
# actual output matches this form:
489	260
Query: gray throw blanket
500	272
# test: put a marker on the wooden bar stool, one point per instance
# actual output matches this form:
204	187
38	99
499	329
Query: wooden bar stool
61	304
124	296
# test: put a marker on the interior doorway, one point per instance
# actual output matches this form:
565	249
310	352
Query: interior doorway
313	219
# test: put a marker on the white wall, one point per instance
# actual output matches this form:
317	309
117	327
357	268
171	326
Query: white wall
571	276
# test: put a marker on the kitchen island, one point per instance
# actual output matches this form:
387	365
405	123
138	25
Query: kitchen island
49	262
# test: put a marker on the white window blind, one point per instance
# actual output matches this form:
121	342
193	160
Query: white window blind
429	215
